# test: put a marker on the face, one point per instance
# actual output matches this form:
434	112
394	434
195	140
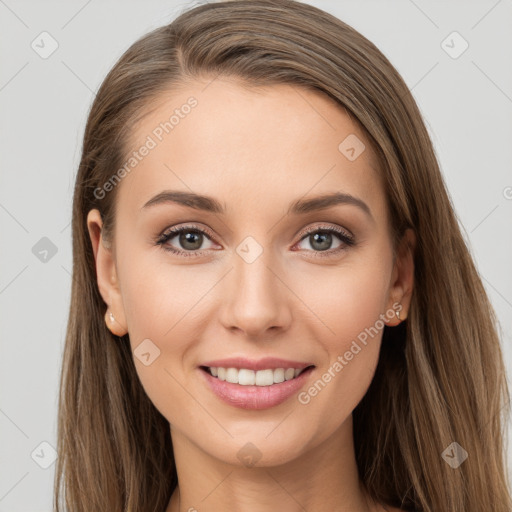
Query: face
265	274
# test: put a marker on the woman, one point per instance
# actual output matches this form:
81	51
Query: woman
273	307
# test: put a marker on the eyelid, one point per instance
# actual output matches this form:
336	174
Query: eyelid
324	227
186	226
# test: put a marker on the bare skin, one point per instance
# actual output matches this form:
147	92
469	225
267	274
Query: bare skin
256	152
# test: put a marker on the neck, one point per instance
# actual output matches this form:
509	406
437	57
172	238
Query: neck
322	477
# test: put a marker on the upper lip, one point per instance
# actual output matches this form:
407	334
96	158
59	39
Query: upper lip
261	364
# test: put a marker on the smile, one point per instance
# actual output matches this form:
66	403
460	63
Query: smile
246	377
269	389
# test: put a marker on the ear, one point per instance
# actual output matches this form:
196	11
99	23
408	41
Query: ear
402	281
106	275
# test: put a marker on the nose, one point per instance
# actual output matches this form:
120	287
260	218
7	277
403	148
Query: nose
257	300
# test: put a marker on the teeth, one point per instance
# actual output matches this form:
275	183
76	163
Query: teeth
289	373
278	375
264	377
246	377
232	375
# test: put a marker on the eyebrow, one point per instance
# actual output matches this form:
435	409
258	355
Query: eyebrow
300	206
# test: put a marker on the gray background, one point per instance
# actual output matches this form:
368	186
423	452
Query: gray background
466	102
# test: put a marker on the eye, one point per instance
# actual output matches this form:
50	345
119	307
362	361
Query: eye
320	240
190	239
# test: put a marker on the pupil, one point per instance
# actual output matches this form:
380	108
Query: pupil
323	239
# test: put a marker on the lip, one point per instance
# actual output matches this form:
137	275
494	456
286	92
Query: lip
255	397
267	363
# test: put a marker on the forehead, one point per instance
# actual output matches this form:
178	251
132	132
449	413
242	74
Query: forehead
248	147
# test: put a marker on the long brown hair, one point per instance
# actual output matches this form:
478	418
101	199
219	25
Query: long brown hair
440	377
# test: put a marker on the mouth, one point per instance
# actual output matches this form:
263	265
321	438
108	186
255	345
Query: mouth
245	388
248	377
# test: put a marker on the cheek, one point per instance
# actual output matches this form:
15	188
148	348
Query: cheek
156	301
347	299
156	295
162	303
350	308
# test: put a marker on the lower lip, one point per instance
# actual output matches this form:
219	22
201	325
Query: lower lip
255	397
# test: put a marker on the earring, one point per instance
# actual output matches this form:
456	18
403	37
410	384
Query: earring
112	324
398	315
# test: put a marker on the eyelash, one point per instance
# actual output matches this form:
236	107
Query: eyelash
343	236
